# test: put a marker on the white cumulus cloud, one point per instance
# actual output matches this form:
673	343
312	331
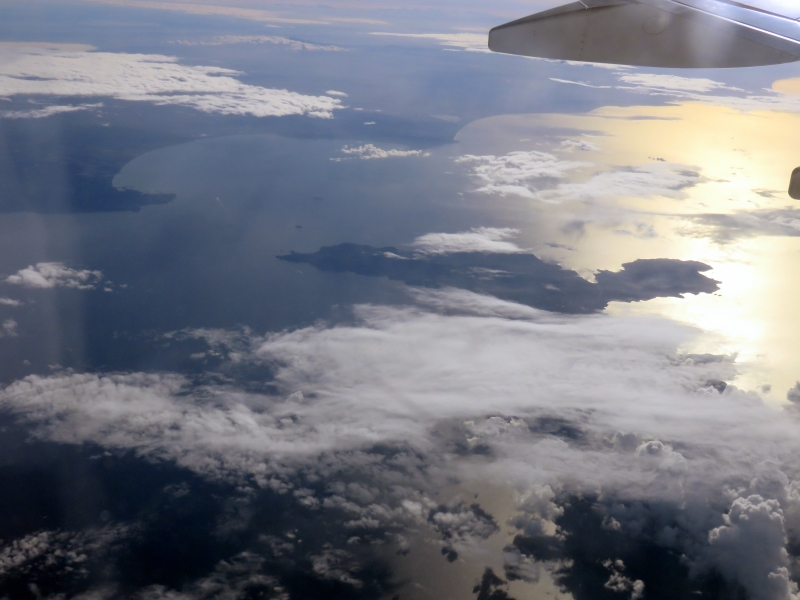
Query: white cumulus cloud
370	151
751	548
55	274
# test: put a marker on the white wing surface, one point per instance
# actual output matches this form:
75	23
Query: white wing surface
659	33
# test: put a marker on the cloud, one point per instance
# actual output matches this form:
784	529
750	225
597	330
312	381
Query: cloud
58	552
152	78
238	577
644	181
520	567
479	239
336	565
676	83
9	328
617	582
10	302
470	42
598	424
765	222
536	175
55	274
517	172
491	587
461	525
47	46
750	548
459	301
582	145
231	437
370	151
224	435
41	113
793	395
335	93
580	83
698	89
230	433
132	408
263	39
251	14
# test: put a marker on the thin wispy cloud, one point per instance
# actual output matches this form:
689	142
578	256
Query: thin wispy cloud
470	42
480	239
226	40
697	89
48	111
250	14
580	83
725	228
676	83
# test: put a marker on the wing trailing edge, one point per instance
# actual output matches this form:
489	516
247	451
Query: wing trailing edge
653	33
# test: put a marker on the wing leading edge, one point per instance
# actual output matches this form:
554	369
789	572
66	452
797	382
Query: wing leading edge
654	33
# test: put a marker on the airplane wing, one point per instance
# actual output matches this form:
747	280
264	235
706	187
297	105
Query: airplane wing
659	33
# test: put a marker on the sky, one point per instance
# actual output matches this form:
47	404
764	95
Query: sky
325	300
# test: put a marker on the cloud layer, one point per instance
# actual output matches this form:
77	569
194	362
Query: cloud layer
559	407
35	70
